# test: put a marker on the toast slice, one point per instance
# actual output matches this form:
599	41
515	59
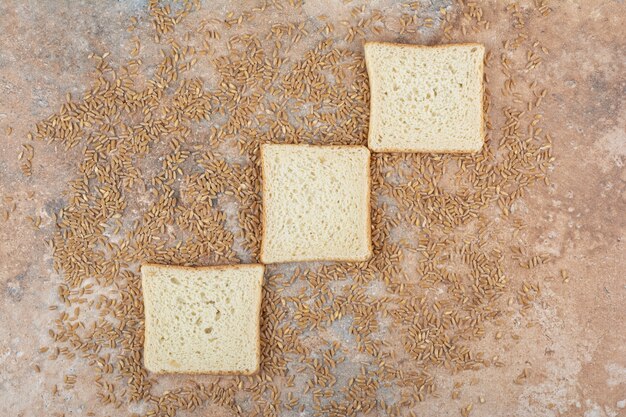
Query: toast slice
316	203
202	320
425	98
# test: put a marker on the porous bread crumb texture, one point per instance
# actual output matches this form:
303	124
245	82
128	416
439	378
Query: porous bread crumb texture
316	203
202	320
425	98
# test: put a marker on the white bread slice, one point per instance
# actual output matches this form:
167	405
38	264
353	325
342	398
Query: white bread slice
316	203
202	320
425	98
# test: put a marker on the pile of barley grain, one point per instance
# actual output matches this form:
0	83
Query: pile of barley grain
165	154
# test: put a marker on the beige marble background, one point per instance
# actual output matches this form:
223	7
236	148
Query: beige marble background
578	345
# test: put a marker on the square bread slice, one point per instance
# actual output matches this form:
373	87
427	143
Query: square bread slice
202	320
425	98
316	203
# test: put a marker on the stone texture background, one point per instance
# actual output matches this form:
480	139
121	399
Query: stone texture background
578	347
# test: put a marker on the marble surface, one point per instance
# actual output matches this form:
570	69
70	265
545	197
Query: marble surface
577	345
